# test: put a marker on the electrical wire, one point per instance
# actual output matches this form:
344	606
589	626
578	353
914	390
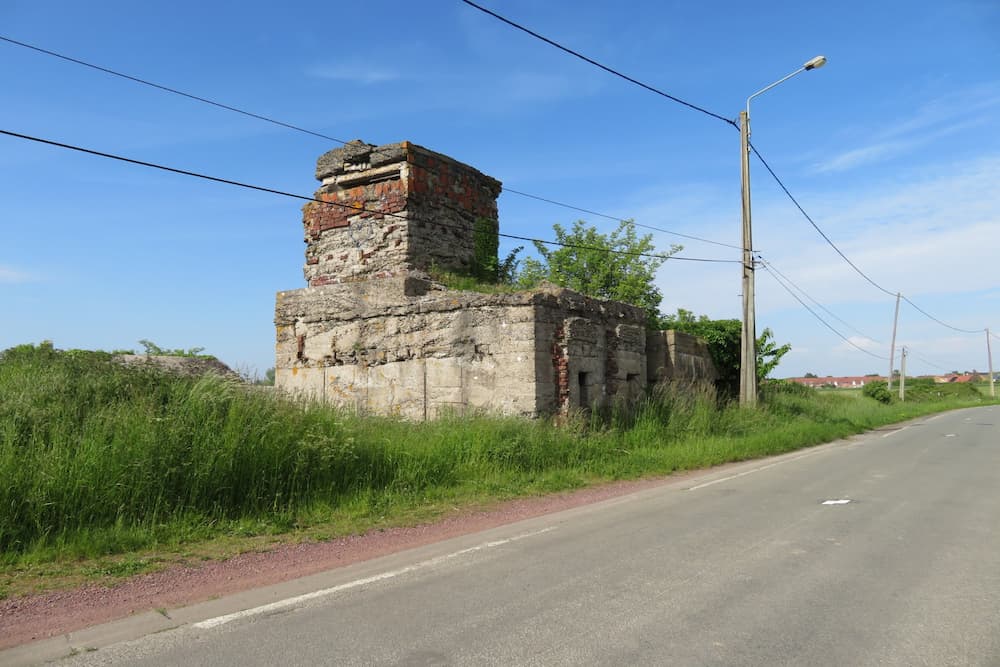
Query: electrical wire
817	316
593	62
944	324
813	222
620	219
304	130
171	90
259	188
909	350
772	267
840	252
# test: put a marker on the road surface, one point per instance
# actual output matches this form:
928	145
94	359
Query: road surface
880	550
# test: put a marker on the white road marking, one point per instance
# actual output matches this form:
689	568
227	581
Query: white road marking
895	432
749	472
290	602
842	501
949	435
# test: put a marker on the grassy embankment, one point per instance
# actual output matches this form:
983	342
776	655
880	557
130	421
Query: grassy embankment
97	459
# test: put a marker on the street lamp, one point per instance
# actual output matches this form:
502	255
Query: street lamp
748	336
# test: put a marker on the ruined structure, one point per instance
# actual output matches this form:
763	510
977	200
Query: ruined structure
372	331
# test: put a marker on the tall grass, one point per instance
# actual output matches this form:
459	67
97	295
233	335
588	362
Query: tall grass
98	458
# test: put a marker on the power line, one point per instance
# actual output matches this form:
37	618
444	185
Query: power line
944	324
593	62
297	128
619	219
772	267
909	348
839	252
817	316
813	222
259	188
168	89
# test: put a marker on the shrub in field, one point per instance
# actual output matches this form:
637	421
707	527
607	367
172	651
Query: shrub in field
877	390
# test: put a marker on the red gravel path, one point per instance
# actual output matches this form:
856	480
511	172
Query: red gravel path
24	619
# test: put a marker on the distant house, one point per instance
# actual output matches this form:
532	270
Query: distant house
846	382
960	378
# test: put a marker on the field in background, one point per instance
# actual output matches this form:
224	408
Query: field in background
103	465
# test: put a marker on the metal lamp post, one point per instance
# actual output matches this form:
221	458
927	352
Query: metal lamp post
748	336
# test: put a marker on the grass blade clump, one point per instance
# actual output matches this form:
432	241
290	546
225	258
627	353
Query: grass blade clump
99	458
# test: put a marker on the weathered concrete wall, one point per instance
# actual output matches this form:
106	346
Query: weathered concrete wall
674	355
598	351
394	208
404	346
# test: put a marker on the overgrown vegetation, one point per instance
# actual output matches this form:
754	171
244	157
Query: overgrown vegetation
151	348
98	458
921	390
723	338
620	266
877	390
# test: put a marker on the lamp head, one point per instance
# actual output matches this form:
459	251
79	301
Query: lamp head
815	63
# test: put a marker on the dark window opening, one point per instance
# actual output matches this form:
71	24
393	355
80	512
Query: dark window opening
584	393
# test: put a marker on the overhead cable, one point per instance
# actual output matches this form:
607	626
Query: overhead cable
304	130
259	188
840	252
620	219
944	324
818	317
593	62
772	267
168	89
813	222
909	349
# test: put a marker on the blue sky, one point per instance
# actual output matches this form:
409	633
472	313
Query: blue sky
892	148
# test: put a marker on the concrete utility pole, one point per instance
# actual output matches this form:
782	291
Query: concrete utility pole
902	374
748	334
892	345
989	357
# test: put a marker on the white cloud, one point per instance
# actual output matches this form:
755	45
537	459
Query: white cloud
364	73
858	156
947	115
11	275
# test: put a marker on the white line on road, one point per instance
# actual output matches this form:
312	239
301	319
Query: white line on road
290	602
749	472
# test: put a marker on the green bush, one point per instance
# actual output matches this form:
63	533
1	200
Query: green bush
877	390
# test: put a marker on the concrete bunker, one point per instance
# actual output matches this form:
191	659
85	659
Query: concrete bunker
372	331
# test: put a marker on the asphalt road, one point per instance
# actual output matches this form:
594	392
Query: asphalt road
742	566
